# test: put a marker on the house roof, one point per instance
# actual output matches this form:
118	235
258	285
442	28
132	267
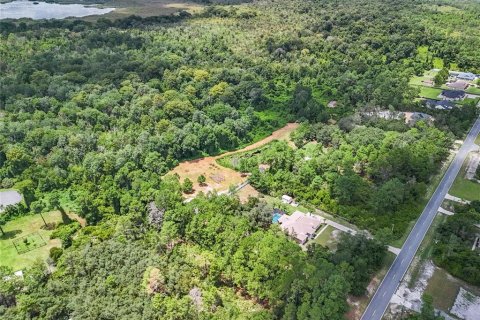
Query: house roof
332	104
458	85
442	104
463	75
416	116
300	225
454	94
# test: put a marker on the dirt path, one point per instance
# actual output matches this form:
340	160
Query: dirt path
219	178
280	134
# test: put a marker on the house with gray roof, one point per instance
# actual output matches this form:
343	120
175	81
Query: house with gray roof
452	95
463	75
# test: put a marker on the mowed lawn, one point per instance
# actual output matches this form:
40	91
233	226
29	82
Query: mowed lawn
464	188
473	90
430	93
325	238
24	226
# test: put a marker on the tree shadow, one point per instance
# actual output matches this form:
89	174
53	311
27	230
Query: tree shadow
9	234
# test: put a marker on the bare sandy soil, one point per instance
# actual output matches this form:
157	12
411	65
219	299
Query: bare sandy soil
247	191
219	178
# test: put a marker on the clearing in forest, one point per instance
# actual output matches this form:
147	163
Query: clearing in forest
26	240
219	178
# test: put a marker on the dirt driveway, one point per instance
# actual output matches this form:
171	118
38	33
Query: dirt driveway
220	178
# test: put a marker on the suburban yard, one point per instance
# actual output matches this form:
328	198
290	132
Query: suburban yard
37	244
429	93
219	178
464	188
327	237
30	225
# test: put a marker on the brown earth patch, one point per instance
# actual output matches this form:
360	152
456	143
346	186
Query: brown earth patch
219	178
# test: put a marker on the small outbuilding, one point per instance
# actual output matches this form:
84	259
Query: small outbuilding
413	117
287	199
332	104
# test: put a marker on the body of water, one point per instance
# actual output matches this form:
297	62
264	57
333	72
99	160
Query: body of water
42	10
9	197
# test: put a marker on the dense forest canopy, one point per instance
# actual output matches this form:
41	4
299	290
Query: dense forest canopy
94	114
352	173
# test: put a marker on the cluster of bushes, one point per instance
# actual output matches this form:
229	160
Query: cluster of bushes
453	244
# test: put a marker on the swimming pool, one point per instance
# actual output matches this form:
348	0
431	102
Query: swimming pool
275	217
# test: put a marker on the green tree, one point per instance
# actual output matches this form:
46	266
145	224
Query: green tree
38	207
187	185
27	189
201	179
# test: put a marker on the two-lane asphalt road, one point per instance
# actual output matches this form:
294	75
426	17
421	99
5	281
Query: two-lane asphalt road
385	291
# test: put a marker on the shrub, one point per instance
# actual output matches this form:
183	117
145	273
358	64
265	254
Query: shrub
65	233
56	253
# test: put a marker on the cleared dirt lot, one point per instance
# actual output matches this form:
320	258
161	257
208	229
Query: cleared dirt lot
219	178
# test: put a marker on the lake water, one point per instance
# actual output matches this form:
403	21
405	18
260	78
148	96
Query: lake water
9	197
43	10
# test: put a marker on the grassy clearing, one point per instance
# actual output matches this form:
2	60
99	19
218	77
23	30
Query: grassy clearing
430	93
477	140
325	238
464	188
473	90
22	227
145	8
442	289
468	100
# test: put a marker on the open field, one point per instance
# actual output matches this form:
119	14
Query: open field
429	93
219	178
473	90
464	188
143	8
30	227
444	289
418	80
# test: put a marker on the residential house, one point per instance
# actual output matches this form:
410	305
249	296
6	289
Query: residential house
300	226
439	104
463	75
458	85
452	95
412	117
